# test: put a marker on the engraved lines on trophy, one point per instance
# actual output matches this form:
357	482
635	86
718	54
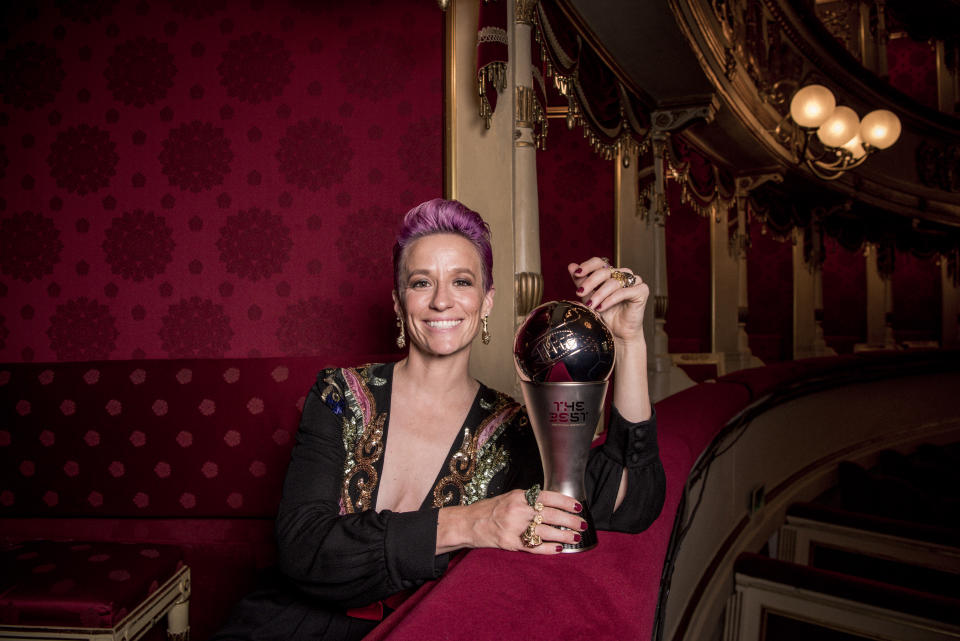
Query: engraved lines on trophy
560	344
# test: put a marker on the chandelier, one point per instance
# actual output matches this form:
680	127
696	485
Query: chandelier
831	139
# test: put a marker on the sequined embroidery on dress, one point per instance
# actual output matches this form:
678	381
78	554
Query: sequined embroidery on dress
362	433
479	458
470	469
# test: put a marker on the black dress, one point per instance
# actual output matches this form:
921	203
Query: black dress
337	554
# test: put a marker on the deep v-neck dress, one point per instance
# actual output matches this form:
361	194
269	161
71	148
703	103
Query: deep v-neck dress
475	457
459	464
336	553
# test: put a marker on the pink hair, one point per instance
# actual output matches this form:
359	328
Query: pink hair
439	216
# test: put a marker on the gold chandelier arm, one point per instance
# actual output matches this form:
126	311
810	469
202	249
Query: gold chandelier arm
832	171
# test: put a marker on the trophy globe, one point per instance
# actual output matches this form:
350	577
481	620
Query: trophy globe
564	354
563	342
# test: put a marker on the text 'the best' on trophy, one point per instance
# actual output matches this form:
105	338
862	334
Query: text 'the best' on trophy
564	355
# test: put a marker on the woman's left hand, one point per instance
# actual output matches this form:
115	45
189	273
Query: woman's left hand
620	306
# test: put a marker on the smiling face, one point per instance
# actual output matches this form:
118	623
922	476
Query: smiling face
441	297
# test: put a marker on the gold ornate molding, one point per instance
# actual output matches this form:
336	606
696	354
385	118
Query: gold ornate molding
739	240
662	123
756	53
938	165
529	115
527	107
660	307
524	11
746	184
528	288
665	120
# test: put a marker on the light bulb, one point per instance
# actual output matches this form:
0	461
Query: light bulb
842	125
880	128
855	146
812	105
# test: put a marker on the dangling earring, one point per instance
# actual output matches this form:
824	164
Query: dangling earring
401	339
485	332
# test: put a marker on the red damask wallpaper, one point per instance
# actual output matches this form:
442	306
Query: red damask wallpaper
207	178
912	67
576	207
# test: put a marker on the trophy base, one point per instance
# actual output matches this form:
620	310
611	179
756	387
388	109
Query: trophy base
588	537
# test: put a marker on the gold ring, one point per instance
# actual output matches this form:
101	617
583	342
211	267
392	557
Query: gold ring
625	279
530	538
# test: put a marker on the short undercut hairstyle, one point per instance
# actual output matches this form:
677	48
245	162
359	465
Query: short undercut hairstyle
439	216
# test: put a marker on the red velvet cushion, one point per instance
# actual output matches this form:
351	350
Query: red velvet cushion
79	583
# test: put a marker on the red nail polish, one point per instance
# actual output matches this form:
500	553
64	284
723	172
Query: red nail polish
559	548
579	269
588	302
576	538
580	290
599	306
583	525
577	507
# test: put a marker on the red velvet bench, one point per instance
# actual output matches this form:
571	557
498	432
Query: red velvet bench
188	453
96	590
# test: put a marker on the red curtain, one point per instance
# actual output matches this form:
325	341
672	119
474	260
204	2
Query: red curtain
201	178
688	275
576	207
770	296
917	298
844	297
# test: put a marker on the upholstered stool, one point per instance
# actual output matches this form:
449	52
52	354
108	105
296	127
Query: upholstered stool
92	590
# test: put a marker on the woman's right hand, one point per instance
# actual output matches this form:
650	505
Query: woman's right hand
499	522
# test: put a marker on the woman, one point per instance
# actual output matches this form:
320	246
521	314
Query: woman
396	466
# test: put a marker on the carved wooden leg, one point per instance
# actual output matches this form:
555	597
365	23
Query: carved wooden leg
178	621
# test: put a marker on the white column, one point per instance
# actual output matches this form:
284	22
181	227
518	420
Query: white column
739	247
634	234
889	342
803	301
879	303
665	377
724	287
742	242
951	308
882	36
526	222
479	173
808	299
819	343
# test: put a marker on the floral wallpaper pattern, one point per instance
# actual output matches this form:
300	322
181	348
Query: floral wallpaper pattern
209	178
